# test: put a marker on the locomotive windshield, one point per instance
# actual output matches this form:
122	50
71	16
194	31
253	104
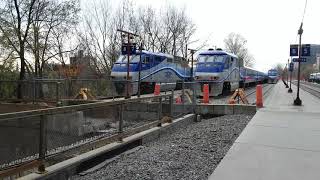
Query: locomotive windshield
272	73
124	58
212	58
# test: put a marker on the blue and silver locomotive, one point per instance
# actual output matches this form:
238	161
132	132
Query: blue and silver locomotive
220	70
273	76
154	68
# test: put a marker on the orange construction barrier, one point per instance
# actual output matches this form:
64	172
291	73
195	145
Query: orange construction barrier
156	89
206	93
259	102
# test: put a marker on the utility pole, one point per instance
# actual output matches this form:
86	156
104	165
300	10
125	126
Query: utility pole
297	101
128	49
139	75
290	69
192	51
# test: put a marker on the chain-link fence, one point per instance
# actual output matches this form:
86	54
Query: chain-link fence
55	89
48	133
41	134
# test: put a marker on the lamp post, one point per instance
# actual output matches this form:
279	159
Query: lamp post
285	69
297	101
290	69
288	73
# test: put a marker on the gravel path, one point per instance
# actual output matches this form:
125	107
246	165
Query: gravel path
189	153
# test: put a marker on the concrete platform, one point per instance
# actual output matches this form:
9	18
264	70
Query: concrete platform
282	141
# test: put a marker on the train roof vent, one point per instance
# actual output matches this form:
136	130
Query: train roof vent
210	49
219	49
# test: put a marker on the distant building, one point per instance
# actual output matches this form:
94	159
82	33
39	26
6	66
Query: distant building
84	66
314	53
81	67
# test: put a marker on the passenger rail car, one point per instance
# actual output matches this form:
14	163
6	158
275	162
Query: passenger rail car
154	68
314	77
250	76
273	76
220	70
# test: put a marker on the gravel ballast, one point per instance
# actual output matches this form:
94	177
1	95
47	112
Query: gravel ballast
188	153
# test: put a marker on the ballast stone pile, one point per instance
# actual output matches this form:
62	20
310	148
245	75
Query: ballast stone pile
189	153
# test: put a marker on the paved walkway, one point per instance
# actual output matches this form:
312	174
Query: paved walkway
282	141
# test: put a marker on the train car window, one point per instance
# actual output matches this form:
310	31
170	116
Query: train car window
146	60
170	60
226	64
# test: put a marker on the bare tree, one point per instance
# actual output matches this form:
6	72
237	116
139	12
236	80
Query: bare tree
15	20
53	21
99	36
236	44
280	68
168	30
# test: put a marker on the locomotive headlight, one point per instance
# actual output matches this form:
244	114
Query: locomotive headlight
214	77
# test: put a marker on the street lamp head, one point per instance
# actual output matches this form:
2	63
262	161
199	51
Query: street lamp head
300	31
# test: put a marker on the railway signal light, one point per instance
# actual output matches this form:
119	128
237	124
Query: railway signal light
129	48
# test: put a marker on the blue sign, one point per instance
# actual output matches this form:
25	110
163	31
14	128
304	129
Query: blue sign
305	50
132	49
291	67
297	59
293	50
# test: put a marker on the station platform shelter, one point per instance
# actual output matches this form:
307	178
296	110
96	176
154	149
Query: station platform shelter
282	141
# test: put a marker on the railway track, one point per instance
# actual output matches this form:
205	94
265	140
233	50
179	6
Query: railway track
313	89
266	88
250	94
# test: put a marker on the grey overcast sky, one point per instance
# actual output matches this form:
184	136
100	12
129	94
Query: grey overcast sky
269	26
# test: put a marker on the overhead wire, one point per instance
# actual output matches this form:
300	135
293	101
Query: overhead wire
303	15
304	11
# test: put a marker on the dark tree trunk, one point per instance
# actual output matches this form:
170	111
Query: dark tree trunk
22	74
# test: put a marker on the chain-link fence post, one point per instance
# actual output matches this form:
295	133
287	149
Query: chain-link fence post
171	103
34	91
183	98
194	99
120	130
57	92
160	112
42	143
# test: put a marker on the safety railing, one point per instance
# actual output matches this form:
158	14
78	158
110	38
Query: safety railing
52	90
38	135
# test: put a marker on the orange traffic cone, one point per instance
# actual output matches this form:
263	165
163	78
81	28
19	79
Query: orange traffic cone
259	100
178	100
156	89
206	93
